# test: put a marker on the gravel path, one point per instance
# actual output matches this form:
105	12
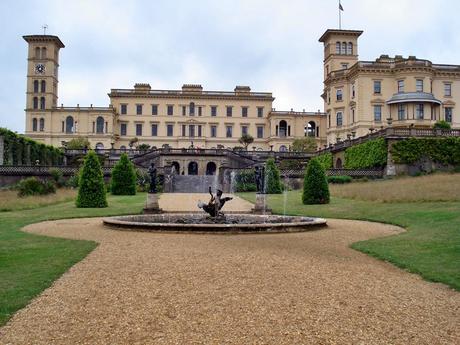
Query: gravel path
299	288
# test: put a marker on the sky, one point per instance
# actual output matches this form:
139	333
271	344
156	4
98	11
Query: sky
270	45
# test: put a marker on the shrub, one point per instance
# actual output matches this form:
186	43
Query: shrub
245	181
123	177
34	186
315	187
325	160
91	192
142	180
57	177
442	125
246	140
339	179
272	178
439	150
72	181
143	147
306	144
78	143
371	154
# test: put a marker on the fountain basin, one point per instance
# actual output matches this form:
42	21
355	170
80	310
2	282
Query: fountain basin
201	223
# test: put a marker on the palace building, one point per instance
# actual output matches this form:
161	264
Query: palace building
177	118
359	96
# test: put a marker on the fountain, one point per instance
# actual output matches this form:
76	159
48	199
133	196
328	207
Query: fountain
214	221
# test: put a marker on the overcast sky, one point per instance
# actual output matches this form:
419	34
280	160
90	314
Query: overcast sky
270	45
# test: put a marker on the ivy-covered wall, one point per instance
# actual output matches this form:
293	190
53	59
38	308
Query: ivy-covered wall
372	154
325	160
439	150
19	150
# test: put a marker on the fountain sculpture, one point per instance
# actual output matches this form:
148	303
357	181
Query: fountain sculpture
151	205
215	204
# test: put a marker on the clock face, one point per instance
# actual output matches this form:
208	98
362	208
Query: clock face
40	68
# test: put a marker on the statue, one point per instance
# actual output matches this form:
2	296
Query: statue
153	178
215	204
260	179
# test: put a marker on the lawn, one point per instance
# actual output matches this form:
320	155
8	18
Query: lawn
431	245
29	263
10	202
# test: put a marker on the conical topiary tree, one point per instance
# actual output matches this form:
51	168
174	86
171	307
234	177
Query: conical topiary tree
272	178
123	177
315	187
91	191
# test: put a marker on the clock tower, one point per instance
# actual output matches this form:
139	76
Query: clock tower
42	82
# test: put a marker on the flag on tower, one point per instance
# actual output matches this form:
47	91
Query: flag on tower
340	6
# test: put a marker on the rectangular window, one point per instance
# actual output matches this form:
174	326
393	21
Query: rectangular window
419	111
244	111
339	94
229	111
377	113
154	130
229	131
344	66
419	85
447	89
191	109
213	131
184	130
339	119
123	128
260	132
199	131
139	109
169	130
191	131
124	109
139	129
377	87
154	109
400	86
353	91
260	111
170	110
448	114
353	115
244	130
200	111
401	112
184	110
213	110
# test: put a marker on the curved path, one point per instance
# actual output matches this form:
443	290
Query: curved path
299	288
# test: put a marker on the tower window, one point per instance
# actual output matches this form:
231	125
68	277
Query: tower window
43	53
419	85
37	53
42	103
35	105
43	86
339	94
337	48
34	125
350	48
69	128
42	124
344	48
339	119
35	86
377	113
100	124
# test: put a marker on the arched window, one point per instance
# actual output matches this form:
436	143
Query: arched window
42	124
176	167
350	48
35	102
211	168
99	146
37	53
339	119
337	48
193	168
310	129
42	103
338	163
35	86
344	48
69	124
43	86
192	109
100	124
283	129
34	125
43	53
283	148
123	148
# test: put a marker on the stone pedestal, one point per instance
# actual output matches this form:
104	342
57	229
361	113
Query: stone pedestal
260	206
151	205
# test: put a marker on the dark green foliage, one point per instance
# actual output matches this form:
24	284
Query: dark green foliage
34	186
272	178
246	140
306	144
442	125
325	160
72	181
315	187
339	179
91	192
372	154
143	147
78	143
123	177
20	150
58	177
439	150
245	181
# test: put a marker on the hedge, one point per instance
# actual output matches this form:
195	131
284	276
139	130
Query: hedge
91	191
325	160
272	178
340	179
372	154
20	150
123	177
439	150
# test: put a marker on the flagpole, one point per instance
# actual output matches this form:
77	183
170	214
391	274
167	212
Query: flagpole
340	17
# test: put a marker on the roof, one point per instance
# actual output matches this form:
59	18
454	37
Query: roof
329	32
407	97
44	38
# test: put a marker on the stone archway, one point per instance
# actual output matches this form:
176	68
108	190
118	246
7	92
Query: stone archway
176	166
192	168
338	163
211	168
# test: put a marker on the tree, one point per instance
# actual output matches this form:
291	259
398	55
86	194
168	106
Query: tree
143	147
246	140
123	177
78	143
442	125
133	141
272	177
306	144
315	187
91	192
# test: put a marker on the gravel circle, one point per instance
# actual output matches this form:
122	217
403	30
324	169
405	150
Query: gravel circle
296	288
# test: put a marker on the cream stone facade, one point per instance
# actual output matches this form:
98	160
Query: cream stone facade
361	96
177	118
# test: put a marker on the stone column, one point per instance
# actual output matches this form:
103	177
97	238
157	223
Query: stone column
260	206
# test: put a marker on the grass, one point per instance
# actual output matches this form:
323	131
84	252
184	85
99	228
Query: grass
430	247
435	187
30	263
10	202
